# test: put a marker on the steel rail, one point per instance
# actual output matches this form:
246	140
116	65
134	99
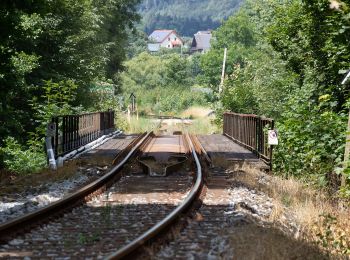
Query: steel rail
31	218
167	221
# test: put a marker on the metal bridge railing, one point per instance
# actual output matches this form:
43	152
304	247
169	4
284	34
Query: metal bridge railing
74	131
250	131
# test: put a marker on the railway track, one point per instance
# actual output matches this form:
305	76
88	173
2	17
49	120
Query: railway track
117	214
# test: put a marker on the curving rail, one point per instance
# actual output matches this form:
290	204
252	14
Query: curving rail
10	227
24	223
166	222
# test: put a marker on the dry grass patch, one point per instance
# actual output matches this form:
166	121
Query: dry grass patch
139	124
196	112
253	241
14	183
320	219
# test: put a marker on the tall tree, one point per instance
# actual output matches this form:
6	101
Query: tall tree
59	41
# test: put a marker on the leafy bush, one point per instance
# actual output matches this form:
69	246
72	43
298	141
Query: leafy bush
168	100
19	159
308	145
57	99
311	135
162	83
284	61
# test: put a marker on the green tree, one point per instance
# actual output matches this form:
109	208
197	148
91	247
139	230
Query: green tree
237	34
286	60
63	42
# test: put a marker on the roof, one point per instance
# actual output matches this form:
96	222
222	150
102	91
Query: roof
201	40
160	35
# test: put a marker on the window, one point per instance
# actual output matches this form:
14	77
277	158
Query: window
175	39
169	39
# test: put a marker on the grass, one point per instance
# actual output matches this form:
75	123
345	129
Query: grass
321	220
13	183
199	124
139	125
203	126
196	112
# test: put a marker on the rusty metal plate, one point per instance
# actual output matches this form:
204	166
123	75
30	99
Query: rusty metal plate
164	154
161	148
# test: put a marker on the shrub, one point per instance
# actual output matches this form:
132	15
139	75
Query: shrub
21	160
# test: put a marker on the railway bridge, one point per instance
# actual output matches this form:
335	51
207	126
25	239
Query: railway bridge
158	195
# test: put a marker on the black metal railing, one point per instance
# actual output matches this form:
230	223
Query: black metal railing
74	131
250	131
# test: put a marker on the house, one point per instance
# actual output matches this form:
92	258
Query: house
201	42
164	39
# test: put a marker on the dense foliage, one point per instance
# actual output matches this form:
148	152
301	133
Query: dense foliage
187	17
162	83
286	60
51	52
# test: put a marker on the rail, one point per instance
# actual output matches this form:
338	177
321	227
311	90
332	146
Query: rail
74	131
24	222
166	222
250	131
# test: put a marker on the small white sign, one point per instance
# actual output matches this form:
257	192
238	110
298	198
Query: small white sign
273	137
51	130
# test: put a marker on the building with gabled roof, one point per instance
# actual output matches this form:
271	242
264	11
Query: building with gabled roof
201	42
164	39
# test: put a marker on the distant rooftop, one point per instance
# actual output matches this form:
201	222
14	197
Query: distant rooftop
201	41
203	32
160	35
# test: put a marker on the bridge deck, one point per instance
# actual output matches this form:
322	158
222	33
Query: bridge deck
220	147
163	147
112	147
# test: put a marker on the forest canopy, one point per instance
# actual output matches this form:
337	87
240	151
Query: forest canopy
187	17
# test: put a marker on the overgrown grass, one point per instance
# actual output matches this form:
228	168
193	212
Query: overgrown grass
203	126
321	220
136	125
14	182
196	112
199	123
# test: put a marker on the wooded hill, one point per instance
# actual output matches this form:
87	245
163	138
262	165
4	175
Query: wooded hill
186	16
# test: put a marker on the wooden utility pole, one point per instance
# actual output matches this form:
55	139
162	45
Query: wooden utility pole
223	72
347	152
347	143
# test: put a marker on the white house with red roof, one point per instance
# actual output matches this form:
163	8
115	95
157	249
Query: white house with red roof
168	39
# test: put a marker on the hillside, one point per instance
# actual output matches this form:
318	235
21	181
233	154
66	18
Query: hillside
186	16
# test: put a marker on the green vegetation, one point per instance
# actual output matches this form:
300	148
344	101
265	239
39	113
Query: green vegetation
163	84
187	17
203	126
139	125
52	53
19	159
286	60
